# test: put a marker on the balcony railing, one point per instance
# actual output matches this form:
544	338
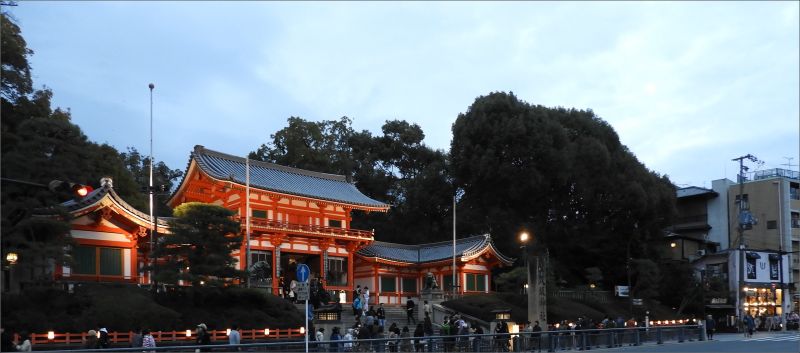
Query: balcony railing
269	224
692	219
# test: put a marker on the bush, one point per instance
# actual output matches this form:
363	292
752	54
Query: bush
125	307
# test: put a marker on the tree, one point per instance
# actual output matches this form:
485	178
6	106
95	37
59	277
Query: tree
16	72
561	173
163	176
199	248
395	167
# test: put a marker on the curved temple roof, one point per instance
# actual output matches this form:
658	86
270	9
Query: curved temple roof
273	177
424	253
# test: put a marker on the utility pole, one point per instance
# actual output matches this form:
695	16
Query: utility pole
743	220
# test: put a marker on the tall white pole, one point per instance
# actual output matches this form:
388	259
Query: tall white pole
150	191
455	283
247	215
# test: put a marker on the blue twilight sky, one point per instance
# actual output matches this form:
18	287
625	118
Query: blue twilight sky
687	86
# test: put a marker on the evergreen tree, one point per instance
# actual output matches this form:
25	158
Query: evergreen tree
199	248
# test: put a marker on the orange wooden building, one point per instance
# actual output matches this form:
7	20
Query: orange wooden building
296	216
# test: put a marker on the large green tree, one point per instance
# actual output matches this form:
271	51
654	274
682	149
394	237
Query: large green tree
199	246
562	174
164	178
395	167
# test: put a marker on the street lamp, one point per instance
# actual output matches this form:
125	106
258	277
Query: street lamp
531	286
12	258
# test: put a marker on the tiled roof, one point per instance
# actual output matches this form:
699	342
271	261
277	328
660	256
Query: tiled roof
694	191
94	197
273	177
432	252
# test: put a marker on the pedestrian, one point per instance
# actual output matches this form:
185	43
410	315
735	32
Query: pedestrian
103	341
147	339
426	307
419	334
335	338
91	340
320	336
235	337
202	337
136	338
392	342
710	326
410	311
7	341
357	308
348	340
405	340
427	325
25	342
537	335
477	330
366	298
381	314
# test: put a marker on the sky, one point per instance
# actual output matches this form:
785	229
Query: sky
687	85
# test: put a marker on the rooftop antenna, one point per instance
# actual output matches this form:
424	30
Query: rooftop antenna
788	163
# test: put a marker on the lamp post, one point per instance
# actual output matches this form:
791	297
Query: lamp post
779	185
743	219
533	285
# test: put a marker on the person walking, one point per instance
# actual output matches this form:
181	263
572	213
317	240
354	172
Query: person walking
477	330
91	340
320	336
749	325
711	325
147	340
410	311
235	337
419	335
426	307
335	338
381	314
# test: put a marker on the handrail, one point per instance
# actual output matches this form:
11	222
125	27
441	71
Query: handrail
162	336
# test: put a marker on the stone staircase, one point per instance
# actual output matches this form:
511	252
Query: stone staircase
394	314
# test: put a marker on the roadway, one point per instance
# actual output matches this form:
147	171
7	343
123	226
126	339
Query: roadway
762	342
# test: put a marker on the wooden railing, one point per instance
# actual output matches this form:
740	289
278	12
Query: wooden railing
165	336
260	223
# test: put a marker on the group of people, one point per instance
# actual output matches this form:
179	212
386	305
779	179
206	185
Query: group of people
7	344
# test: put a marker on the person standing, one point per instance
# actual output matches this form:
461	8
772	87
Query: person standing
335	338
136	338
710	326
103	341
203	338
381	313
419	334
365	304
91	340
426	308
7	341
427	325
147	339
25	345
235	337
410	311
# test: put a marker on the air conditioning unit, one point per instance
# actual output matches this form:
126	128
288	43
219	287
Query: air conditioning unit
701	253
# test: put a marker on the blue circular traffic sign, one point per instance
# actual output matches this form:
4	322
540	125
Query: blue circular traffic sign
302	272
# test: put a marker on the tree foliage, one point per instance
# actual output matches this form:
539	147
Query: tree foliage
562	174
40	144
395	167
199	248
164	178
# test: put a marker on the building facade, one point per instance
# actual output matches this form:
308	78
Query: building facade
295	217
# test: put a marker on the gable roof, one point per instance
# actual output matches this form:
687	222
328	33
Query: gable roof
432	252
282	179
87	203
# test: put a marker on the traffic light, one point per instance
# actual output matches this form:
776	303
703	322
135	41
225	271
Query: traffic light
77	190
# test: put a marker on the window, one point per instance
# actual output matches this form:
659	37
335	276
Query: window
772	224
337	271
259	214
795	220
334	223
410	285
745	204
476	282
794	191
388	284
447	282
86	261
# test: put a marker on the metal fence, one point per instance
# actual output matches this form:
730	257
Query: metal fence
551	341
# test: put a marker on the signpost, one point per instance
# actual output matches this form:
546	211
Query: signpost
302	291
